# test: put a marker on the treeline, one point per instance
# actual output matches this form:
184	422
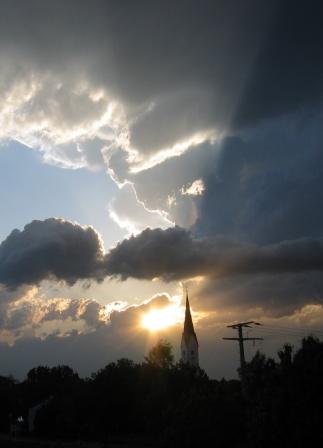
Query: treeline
279	403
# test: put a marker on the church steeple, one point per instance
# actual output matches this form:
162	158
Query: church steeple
189	344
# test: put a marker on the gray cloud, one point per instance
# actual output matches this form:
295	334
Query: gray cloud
286	73
26	312
238	274
275	295
265	184
52	248
132	215
83	81
175	254
160	187
66	251
89	310
108	340
189	68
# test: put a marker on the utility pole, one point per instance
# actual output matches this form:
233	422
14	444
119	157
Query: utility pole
241	340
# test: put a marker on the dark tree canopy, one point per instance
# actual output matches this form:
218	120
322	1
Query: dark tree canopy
175	405
161	355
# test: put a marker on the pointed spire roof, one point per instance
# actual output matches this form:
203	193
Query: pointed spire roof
188	323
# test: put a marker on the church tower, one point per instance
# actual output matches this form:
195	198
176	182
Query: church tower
189	344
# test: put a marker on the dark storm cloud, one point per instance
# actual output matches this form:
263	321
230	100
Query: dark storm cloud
287	73
53	248
175	254
113	36
265	186
201	64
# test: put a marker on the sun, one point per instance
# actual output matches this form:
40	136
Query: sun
159	319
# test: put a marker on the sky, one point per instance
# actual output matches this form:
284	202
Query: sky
151	146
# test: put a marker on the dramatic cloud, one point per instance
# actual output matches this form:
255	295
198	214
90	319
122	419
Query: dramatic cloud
85	87
278	277
27	312
106	332
206	114
278	294
53	248
175	254
131	214
61	250
201	69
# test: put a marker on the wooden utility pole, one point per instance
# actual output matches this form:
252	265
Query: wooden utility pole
241	339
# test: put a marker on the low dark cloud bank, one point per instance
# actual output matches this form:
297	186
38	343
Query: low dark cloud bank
52	248
278	278
175	254
61	250
275	295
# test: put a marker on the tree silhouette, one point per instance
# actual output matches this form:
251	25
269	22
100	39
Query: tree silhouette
161	355
171	405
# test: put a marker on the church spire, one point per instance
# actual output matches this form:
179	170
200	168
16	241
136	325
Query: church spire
189	344
188	323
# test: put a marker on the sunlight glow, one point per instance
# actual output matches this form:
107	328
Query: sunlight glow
159	319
